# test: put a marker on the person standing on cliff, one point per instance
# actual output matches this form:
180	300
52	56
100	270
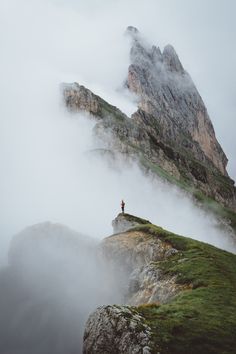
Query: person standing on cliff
123	206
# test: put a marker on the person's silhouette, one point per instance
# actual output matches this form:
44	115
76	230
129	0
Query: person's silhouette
123	206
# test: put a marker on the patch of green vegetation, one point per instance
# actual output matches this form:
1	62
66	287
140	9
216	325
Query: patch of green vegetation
134	219
106	109
202	318
156	169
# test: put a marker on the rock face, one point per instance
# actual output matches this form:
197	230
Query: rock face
131	254
124	222
79	98
118	327
167	93
176	291
171	134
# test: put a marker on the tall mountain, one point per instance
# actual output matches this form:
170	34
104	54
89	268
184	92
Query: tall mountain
170	134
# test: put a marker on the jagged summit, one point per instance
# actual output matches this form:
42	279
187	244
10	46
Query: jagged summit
140	46
167	92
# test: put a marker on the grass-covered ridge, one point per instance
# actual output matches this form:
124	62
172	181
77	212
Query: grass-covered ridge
202	318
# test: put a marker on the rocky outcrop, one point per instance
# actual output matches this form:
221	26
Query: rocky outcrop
116	329
171	134
133	255
124	222
147	285
78	98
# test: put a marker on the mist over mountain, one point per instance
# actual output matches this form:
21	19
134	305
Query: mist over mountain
54	279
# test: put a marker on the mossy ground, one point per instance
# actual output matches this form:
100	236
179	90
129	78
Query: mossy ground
202	318
132	218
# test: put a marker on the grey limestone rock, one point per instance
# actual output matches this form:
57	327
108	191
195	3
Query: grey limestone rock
147	285
133	255
124	222
115	330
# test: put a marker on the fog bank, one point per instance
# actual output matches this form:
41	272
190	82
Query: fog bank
54	279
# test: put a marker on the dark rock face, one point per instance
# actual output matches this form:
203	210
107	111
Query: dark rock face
171	133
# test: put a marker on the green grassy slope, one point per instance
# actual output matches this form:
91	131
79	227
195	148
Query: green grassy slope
202	318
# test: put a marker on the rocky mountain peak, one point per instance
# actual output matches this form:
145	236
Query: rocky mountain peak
167	92
171	133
